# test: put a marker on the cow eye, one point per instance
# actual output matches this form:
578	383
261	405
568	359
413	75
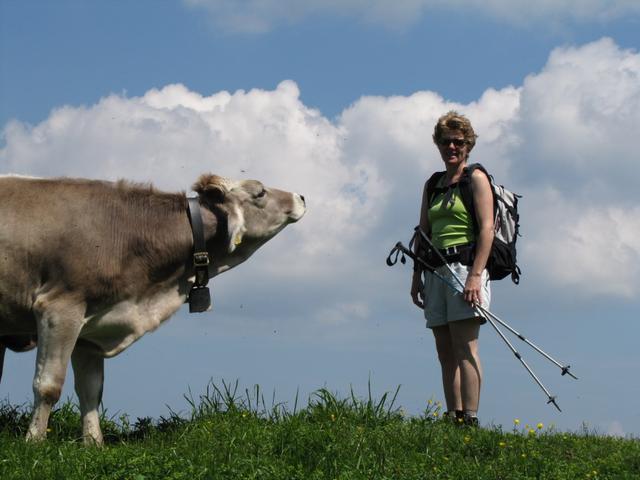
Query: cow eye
261	194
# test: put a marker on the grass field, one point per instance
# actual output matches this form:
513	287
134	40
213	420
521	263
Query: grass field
234	435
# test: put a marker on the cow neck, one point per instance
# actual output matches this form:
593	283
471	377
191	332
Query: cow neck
199	296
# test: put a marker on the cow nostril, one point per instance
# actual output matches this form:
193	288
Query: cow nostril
302	197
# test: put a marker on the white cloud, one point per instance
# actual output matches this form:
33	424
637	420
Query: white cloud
258	16
394	134
586	248
342	313
574	159
564	139
172	135
578	117
524	11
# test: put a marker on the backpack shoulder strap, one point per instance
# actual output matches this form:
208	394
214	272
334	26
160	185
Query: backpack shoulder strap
469	169
432	185
467	193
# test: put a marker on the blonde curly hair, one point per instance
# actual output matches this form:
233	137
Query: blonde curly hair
455	121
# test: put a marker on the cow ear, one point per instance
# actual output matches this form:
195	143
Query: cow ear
212	187
213	190
236	228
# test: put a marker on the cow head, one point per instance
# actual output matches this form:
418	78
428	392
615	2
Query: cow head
254	213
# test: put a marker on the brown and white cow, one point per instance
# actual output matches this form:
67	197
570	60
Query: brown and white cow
88	267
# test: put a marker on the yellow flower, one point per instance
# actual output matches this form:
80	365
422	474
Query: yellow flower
467	439
516	421
540	426
502	444
430	402
532	432
524	455
333	417
435	414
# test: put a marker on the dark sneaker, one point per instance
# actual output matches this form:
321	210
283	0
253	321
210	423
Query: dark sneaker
456	417
470	421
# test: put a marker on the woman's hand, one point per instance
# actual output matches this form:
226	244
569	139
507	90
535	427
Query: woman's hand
472	289
417	290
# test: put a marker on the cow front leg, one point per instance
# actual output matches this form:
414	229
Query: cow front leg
59	321
88	371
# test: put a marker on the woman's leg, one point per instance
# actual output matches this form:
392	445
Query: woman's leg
449	366
464	345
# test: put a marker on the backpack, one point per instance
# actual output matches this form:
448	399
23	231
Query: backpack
502	258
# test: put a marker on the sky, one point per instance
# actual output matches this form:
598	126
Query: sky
337	100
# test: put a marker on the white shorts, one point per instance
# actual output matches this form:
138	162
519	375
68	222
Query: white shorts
442	305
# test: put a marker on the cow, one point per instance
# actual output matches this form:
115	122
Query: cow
87	267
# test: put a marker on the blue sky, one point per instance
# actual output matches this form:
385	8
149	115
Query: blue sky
337	100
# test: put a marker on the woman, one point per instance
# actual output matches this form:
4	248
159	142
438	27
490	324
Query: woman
453	319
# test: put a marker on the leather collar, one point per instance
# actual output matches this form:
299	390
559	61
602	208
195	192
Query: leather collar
199	296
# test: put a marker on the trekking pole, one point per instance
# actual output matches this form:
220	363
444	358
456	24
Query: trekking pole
564	368
401	248
551	398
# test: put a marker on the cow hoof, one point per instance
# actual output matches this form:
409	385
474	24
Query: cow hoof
93	442
34	437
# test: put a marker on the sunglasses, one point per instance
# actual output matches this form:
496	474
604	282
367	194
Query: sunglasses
458	142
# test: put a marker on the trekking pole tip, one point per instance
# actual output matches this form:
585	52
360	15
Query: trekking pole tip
565	370
553	400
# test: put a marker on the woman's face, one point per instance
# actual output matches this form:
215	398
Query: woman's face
453	148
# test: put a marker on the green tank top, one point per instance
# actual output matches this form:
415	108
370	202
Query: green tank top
450	222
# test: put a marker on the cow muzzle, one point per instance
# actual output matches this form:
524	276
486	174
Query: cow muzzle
299	207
